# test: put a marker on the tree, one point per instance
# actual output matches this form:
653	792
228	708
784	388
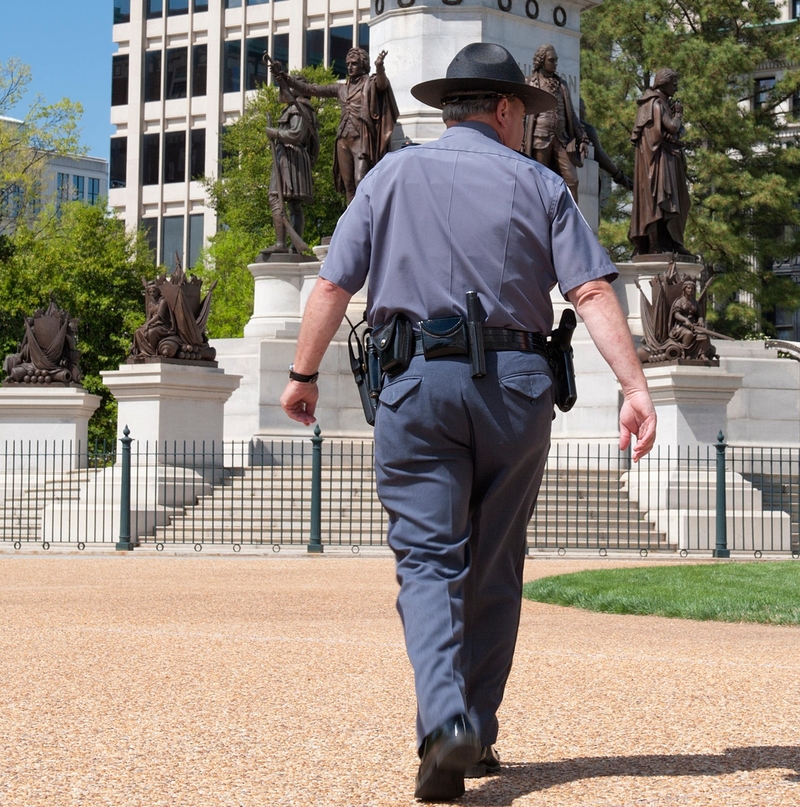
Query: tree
94	268
26	146
240	197
743	165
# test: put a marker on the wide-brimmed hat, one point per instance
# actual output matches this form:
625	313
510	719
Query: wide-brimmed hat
482	69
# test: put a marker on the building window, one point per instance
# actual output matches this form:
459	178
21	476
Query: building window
118	162
795	9
199	69
175	7
152	75
122	11
795	111
176	73
154	8
62	189
150	229
256	2
280	48
763	88
315	44
171	241
94	190
232	66
233	3
363	36
339	43
174	157
119	80
150	148
255	69
78	187
195	237
197	154
201	5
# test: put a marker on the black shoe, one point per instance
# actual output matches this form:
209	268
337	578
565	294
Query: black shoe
446	753
487	765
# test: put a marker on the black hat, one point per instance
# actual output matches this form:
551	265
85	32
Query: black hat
482	70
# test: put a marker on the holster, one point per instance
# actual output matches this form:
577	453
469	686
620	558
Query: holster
559	354
394	344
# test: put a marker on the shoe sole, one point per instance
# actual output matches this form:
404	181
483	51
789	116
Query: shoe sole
479	771
443	778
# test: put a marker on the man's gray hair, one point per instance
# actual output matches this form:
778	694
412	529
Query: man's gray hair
461	110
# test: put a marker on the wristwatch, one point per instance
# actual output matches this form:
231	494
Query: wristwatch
303	379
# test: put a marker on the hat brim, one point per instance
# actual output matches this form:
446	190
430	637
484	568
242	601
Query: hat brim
432	92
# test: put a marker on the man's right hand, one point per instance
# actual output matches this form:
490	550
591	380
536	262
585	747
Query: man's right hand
299	401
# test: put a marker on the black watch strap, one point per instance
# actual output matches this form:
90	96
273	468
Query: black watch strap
303	379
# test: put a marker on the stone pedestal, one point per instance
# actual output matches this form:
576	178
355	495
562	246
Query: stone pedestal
180	405
691	402
46	420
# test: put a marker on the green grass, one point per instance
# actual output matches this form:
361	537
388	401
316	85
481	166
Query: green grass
725	592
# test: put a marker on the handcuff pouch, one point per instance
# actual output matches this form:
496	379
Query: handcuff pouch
446	336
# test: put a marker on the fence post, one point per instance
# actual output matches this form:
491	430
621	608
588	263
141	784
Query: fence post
315	542
721	549
124	544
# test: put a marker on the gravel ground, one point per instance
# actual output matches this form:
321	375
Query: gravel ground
282	680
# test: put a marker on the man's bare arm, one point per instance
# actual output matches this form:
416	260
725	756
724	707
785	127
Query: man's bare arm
597	305
323	315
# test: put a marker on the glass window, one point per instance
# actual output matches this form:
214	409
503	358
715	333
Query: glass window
176	73
363	36
195	237
763	87
152	75
118	162
150	148
175	7
233	3
795	112
78	187
171	241
341	40
122	11
199	69
154	8
94	190
256	72
119	80
795	9
62	187
315	42
256	2
174	157
232	66
280	48
150	229
197	154
201	5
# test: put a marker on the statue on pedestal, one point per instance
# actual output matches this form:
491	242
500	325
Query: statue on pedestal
660	192
369	113
48	352
175	322
555	138
674	322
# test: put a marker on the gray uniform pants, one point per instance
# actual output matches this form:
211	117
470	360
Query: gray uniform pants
459	462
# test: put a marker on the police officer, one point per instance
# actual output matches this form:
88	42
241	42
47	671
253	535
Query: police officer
459	459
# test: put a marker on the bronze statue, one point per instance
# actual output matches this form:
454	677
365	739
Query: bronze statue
176	321
295	148
660	193
555	138
48	352
674	323
601	157
369	113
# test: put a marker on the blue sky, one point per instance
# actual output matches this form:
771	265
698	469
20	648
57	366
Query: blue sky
67	44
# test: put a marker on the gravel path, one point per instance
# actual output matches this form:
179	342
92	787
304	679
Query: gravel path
282	680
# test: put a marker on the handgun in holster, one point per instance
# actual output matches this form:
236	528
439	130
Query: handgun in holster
559	353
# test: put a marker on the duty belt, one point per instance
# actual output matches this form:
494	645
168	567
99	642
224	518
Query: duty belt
503	339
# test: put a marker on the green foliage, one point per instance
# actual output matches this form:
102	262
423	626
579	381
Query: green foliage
46	129
240	195
742	168
94	268
724	592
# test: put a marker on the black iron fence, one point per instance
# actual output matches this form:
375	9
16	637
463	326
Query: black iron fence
320	493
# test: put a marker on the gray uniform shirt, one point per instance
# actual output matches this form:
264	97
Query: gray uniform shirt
462	213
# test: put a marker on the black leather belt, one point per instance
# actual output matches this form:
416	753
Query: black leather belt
503	339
